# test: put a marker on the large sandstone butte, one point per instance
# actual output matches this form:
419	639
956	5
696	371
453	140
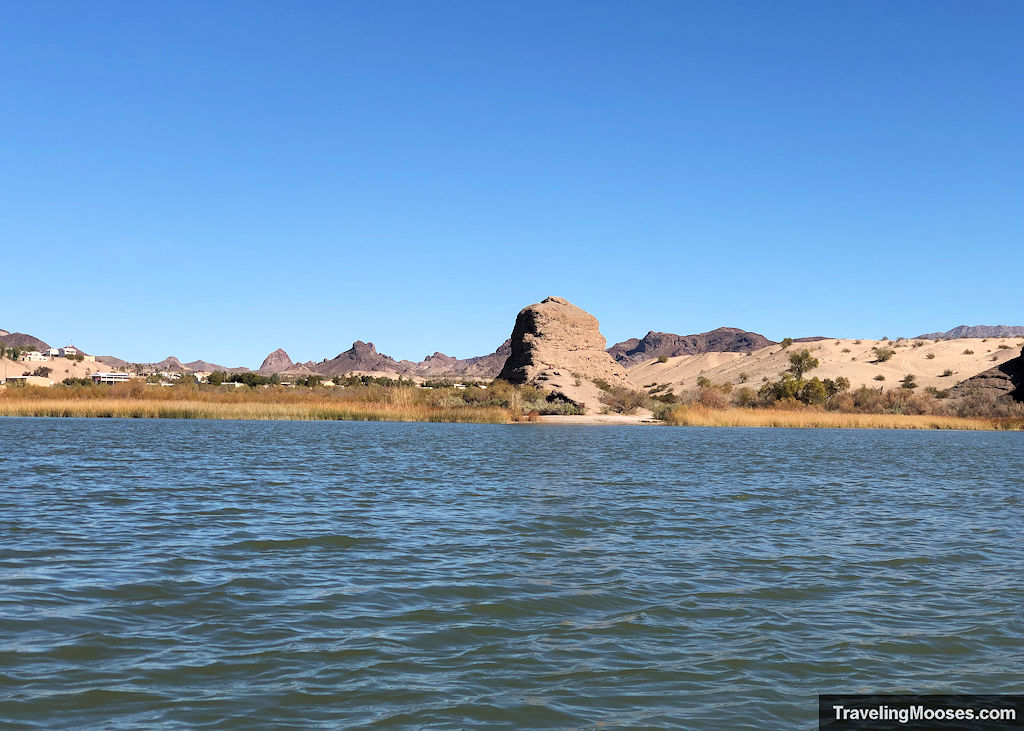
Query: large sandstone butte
559	347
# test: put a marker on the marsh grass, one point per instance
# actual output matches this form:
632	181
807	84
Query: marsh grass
813	419
271	404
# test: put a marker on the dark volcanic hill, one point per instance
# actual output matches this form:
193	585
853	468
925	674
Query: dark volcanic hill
481	366
654	344
977	331
360	357
22	340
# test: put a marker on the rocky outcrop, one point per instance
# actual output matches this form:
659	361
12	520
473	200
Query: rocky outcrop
360	357
1004	382
977	331
276	362
656	344
559	347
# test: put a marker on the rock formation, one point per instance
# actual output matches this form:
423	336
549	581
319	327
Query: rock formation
654	344
1005	381
558	346
360	357
276	362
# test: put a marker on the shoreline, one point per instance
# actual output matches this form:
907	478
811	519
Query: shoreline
726	418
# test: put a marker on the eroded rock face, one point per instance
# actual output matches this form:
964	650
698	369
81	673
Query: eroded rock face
1004	381
276	362
558	346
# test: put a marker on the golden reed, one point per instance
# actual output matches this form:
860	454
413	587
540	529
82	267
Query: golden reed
807	419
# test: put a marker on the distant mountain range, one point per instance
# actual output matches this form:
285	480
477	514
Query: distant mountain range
655	344
363	356
977	331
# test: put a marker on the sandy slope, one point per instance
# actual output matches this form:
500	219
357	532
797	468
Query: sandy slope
62	368
856	364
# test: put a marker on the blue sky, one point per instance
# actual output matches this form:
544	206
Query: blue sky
216	180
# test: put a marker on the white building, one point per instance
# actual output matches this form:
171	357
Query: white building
110	377
34	356
69	351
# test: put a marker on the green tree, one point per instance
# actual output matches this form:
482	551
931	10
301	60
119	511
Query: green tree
801	362
813	392
216	378
786	342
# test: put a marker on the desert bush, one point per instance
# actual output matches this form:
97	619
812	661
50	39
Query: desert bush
743	378
786	342
1004	346
908	382
946	373
663	359
745	397
712	398
879	377
703	382
883	354
930	356
968	351
845	350
622	400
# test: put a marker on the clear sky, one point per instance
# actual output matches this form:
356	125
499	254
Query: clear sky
216	180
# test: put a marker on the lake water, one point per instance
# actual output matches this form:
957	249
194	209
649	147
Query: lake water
203	574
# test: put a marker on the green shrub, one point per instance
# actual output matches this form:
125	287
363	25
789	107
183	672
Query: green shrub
879	377
946	373
883	354
930	356
663	359
908	382
968	351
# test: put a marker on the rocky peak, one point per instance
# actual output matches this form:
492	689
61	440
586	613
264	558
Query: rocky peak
276	362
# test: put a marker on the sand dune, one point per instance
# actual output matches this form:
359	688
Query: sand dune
854	359
62	368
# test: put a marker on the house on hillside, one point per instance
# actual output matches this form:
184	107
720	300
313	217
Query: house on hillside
70	351
33	356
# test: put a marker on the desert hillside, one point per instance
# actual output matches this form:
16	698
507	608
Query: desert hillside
926	360
61	368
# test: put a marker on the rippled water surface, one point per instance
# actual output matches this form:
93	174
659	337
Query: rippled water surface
276	574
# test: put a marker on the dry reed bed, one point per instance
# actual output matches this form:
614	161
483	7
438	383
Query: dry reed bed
305	410
699	416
